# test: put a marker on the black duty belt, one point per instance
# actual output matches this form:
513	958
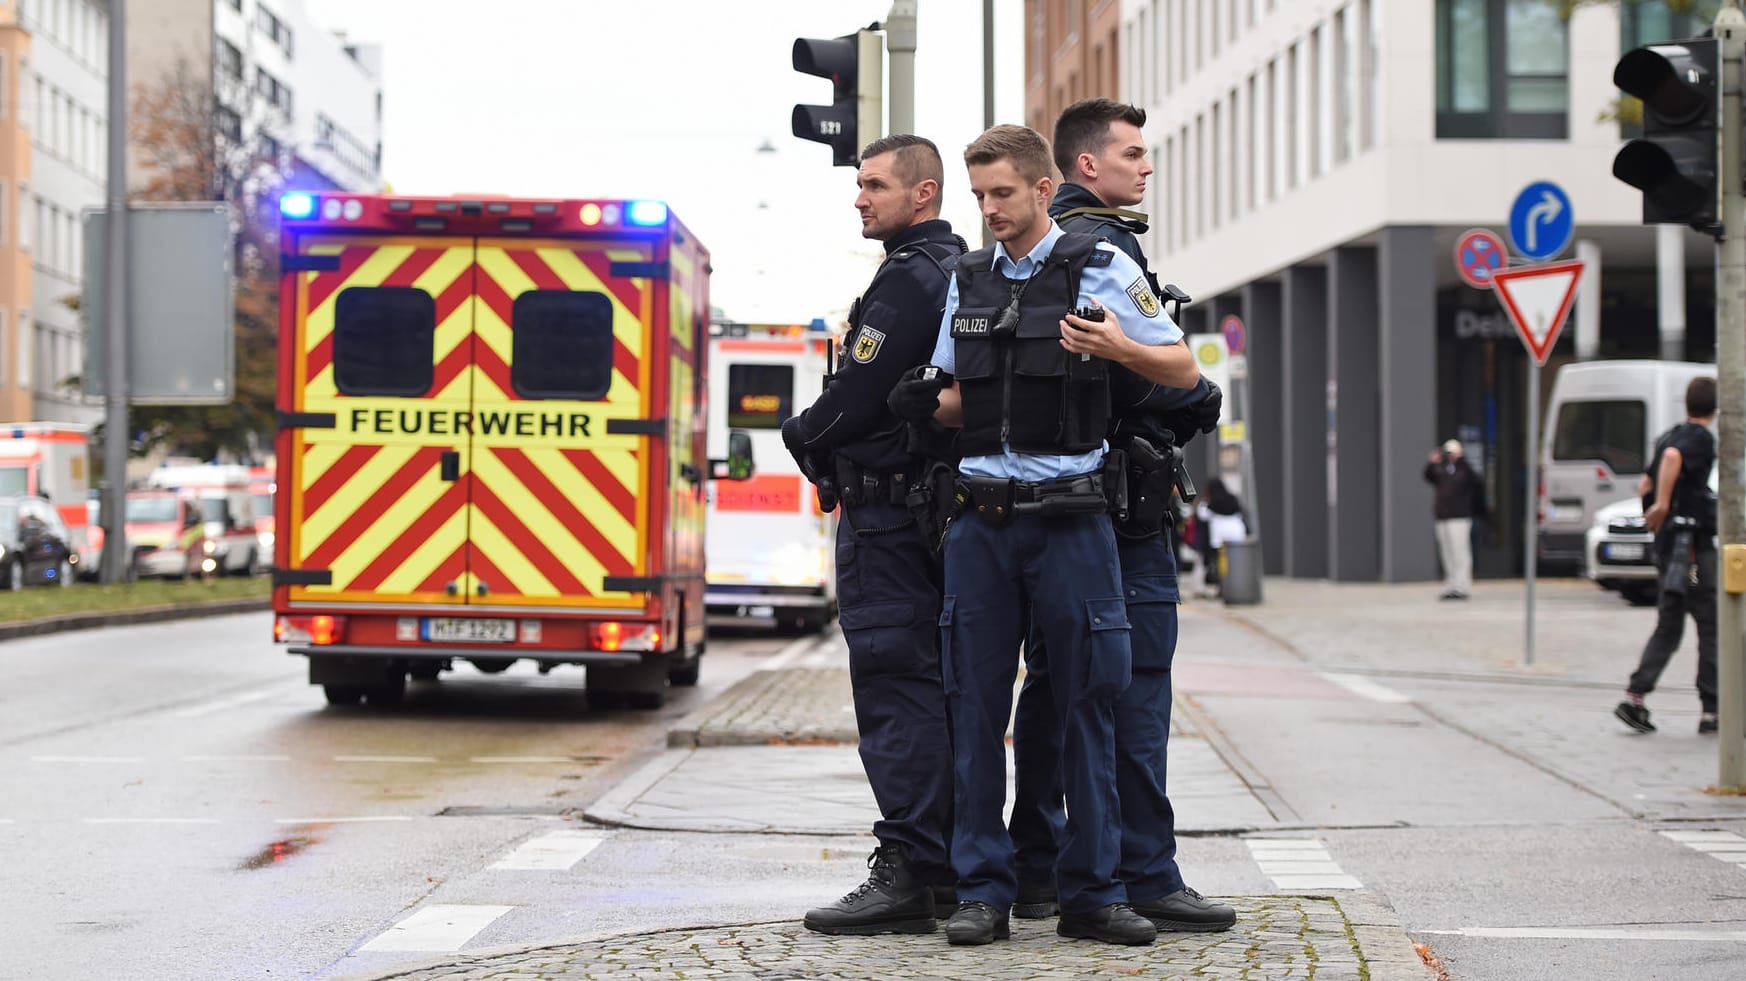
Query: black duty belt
868	487
998	498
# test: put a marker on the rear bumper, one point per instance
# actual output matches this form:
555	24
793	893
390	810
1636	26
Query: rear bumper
443	653
760	601
1562	546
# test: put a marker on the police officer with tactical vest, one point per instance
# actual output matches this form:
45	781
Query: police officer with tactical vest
1102	155
1032	327
888	581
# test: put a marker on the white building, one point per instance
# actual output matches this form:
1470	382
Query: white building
63	99
276	73
1317	160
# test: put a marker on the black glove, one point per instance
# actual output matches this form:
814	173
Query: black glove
794	437
917	394
1206	411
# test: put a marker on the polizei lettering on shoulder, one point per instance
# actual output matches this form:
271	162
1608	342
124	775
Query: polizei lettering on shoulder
486	422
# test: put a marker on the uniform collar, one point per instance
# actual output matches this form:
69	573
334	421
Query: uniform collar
919	232
1028	264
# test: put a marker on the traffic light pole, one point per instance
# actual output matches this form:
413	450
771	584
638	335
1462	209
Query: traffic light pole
900	44
1730	31
113	562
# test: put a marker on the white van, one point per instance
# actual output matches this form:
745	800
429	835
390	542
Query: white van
1600	427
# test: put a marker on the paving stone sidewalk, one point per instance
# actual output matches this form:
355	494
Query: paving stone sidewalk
1352	938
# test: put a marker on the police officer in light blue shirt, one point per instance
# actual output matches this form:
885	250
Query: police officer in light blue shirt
1029	390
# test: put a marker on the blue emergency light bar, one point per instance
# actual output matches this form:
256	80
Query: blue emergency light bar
648	213
297	205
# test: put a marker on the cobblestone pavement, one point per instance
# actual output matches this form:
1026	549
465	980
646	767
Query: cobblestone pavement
1276	937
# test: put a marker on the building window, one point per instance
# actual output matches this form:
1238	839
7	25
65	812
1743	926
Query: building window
228	124
275	29
1502	70
1650	21
277	93
230	61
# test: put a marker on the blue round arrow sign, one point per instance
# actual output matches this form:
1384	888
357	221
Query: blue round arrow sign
1541	221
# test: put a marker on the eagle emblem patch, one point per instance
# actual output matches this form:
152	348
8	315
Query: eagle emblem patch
867	344
1142	296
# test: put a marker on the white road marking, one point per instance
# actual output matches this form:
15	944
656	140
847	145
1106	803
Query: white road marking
7	821
1724	845
219	705
1595	933
437	928
384	759
344	820
522	759
87	759
150	821
1299	863
1364	687
555	852
237	758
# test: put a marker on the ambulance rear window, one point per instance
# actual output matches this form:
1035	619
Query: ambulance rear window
384	341
563	345
760	396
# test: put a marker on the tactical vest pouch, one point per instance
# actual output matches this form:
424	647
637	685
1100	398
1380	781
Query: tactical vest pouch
991	498
976	358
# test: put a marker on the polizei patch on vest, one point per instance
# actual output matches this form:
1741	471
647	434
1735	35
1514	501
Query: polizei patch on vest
977	323
1142	296
867	344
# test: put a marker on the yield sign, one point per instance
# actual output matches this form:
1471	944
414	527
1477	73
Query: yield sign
1538	298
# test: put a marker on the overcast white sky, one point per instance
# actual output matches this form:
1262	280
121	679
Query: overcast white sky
671	99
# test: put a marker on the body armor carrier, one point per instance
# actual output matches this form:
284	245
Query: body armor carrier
1020	387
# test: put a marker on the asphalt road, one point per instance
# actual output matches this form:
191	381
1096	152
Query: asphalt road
177	802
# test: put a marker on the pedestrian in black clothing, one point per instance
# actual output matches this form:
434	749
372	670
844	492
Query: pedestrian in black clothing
1680	509
888	583
1458	499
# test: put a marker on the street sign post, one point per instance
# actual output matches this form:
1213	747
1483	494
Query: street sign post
1541	221
1478	254
1537	299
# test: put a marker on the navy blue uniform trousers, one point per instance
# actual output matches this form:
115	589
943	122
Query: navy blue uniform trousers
1142	725
888	592
1064	572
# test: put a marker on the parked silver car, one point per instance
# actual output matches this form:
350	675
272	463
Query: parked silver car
1619	552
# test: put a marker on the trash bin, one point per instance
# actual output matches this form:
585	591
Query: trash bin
1242	572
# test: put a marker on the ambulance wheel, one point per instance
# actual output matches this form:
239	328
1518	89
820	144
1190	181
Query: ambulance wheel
391	691
685	676
343	694
492	665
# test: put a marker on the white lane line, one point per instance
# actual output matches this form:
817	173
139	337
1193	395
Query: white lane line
1365	688
554	852
344	820
87	759
236	758
1299	863
437	928
522	759
7	821
219	705
1723	845
384	759
149	821
1596	933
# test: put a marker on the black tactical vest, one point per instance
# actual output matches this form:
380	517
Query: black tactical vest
1019	385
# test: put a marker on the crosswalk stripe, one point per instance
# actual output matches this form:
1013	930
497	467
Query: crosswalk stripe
437	928
1299	863
554	852
1365	688
1725	846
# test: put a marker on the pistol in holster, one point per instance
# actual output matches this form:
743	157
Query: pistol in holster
817	468
933	502
1147	478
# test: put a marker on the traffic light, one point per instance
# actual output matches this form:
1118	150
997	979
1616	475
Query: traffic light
1674	162
855	64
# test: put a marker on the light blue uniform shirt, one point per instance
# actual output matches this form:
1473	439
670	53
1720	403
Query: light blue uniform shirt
1114	286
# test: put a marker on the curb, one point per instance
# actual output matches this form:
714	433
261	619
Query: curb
774	706
145	614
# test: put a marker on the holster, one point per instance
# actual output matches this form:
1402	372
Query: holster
1115	483
817	469
1148	477
933	503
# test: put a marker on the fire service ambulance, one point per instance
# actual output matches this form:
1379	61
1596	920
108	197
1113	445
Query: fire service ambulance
772	551
492	441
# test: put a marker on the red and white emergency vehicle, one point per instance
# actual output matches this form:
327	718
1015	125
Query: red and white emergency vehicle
52	460
492	441
772	551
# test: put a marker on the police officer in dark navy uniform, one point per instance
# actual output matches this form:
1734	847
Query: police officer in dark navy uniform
888	581
1032	327
1102	155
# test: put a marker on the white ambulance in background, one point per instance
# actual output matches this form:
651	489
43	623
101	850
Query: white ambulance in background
227	503
771	551
52	460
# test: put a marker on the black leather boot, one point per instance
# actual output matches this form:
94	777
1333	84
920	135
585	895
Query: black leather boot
892	900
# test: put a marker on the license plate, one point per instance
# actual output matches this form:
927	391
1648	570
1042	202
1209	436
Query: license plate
1631	552
469	631
1564	512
